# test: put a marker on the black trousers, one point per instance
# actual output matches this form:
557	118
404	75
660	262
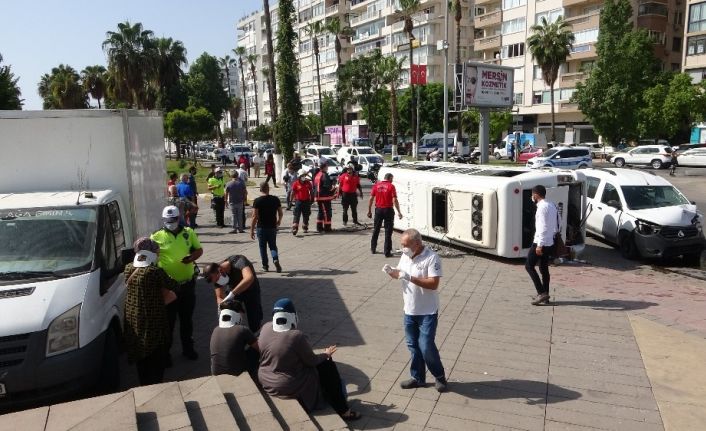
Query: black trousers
323	218
331	386
350	200
301	208
219	207
542	285
150	369
184	308
384	216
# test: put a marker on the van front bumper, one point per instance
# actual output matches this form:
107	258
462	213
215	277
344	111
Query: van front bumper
656	246
38	380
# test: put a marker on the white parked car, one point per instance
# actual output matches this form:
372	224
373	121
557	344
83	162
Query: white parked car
345	153
499	152
657	156
367	161
643	214
320	151
334	169
563	157
599	151
695	157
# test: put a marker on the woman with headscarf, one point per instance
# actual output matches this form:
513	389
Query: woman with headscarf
147	334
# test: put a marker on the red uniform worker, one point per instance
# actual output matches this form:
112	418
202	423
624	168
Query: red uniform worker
385	197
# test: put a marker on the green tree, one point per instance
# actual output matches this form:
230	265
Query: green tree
190	125
9	90
241	52
227	63
311	125
669	109
263	132
408	8
62	89
93	79
550	44
330	109
363	85
204	86
315	30
169	56
431	109
500	121
340	32
390	70
290	106
612	95
252	59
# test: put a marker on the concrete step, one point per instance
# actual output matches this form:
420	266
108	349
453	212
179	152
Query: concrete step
114	412
290	414
206	405
329	420
160	408
27	420
247	404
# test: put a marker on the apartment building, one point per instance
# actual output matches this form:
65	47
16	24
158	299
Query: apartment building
694	62
503	26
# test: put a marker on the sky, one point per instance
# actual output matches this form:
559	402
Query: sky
37	35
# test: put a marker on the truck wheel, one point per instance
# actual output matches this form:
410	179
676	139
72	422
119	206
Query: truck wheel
619	163
627	246
656	164
109	380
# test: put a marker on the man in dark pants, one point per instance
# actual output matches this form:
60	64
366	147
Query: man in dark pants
179	248
384	195
266	217
349	184
325	192
302	195
546	225
216	185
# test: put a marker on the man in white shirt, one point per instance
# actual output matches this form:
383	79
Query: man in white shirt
256	162
545	226
419	270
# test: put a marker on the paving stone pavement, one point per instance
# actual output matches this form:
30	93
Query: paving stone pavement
571	366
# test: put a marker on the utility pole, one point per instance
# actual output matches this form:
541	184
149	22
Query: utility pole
446	78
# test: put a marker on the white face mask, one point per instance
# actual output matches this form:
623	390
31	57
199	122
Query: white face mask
407	252
222	280
171	225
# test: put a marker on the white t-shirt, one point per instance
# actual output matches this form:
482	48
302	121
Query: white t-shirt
243	174
419	301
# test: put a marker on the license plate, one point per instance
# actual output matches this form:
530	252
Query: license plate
2	389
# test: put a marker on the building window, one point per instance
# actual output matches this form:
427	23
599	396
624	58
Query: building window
652	9
514	50
697	17
678	18
676	67
514	25
537	72
658	37
697	75
509	4
519	74
518	98
696	45
676	44
550	16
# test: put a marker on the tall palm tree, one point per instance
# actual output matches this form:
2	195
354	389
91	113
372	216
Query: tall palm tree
44	90
241	52
550	44
339	32
407	10
314	30
227	63
169	56
64	88
390	70
271	79
252	59
131	59
94	82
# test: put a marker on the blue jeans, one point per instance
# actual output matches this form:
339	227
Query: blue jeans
420	332
267	237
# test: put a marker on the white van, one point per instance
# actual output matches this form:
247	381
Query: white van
436	140
66	232
563	157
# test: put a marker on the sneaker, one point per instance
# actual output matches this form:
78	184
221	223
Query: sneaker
441	385
542	298
190	354
388	254
372	251
305	230
266	268
294	232
278	267
241	231
410	384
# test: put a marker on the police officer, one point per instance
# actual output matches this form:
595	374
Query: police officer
384	195
216	185
179	248
325	192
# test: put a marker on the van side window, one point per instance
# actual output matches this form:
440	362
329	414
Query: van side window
439	210
109	256
610	193
117	224
592	186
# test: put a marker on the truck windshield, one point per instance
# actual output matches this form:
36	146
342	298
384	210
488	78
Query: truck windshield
644	197
46	241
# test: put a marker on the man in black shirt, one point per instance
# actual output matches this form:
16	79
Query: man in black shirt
235	278
267	216
233	346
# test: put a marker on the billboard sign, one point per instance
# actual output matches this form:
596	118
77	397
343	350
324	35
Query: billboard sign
487	85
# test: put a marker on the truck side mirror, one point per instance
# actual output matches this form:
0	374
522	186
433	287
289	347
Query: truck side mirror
615	204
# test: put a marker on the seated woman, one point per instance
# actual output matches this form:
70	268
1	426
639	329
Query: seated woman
289	368
233	345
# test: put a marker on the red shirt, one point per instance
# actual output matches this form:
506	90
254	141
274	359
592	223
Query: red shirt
302	190
349	183
384	192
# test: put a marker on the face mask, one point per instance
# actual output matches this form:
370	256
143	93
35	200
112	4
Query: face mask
222	280
171	225
407	252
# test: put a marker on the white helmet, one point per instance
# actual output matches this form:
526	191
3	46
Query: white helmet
284	316
302	172
170	212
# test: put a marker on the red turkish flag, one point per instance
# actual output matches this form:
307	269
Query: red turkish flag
422	76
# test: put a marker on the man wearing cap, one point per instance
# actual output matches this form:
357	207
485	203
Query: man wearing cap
384	195
179	248
303	195
216	186
233	346
235	278
349	184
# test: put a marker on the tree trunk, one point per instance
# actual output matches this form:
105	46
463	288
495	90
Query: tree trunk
318	85
342	104
230	101
413	123
245	99
551	98
393	107
257	108
459	117
99	103
272	79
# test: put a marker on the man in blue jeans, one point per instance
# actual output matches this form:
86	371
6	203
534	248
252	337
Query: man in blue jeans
419	270
267	216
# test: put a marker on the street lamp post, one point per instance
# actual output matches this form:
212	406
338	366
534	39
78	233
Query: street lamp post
446	78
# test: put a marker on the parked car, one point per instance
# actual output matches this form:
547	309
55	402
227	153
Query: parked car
563	157
695	157
529	153
643	214
387	149
657	156
684	147
500	152
345	153
320	151
367	161
334	169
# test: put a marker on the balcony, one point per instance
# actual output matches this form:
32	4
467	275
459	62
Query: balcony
490	42
482	2
579	52
365	36
568	3
398	26
331	10
569	80
367	16
488	19
568	107
584	22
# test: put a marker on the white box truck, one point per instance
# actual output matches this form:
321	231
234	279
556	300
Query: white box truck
78	188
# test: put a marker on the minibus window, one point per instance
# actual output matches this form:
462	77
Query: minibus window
439	210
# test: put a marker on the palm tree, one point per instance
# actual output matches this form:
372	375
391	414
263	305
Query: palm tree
131	60
314	30
62	89
241	53
252	59
407	9
550	44
227	63
340	31
168	58
44	90
93	79
390	70
271	79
